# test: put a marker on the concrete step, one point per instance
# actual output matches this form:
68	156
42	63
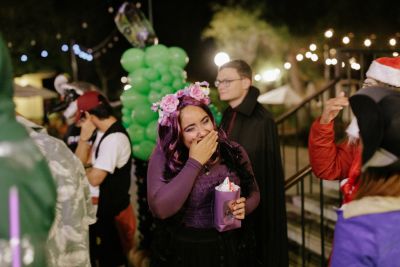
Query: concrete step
312	205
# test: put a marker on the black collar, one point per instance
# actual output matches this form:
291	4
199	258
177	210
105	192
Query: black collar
249	102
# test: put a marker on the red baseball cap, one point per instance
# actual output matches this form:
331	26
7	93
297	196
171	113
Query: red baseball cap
89	100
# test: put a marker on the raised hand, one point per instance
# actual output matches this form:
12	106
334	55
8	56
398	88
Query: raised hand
87	127
202	150
332	108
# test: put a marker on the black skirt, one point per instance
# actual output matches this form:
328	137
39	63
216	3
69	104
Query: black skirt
192	247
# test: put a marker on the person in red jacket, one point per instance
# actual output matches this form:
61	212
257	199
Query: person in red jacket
331	161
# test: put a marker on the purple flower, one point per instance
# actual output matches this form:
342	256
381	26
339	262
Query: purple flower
169	103
196	92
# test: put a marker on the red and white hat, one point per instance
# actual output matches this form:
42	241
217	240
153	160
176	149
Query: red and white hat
386	70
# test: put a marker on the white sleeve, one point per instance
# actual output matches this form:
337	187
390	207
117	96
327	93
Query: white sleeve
114	152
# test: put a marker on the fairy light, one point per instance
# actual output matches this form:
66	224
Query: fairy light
287	65
44	53
367	42
314	57
24	58
64	48
346	40
257	77
299	57
395	54
328	33
392	42
308	54
313	47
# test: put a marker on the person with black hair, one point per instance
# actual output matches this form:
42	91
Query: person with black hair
109	167
367	230
191	158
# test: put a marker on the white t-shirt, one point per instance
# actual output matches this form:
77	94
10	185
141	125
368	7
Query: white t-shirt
114	152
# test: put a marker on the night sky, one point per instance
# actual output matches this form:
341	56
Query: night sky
181	22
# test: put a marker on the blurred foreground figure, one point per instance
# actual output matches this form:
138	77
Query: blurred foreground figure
68	240
27	189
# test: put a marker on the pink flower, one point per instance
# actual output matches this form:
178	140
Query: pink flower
196	92
154	106
169	103
180	93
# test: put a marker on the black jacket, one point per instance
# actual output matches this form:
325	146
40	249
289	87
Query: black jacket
253	127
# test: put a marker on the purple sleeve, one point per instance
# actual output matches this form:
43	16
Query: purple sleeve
167	198
254	198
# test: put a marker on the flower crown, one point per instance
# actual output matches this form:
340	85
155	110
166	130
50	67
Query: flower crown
169	103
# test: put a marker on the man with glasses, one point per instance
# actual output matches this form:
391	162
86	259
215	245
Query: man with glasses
247	122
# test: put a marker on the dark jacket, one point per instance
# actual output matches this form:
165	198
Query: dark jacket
253	127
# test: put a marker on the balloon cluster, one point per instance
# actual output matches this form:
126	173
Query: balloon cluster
153	72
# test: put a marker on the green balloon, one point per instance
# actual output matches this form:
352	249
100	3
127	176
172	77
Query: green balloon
151	74
126	111
167	90
155	54
161	68
139	83
156	86
166	78
151	130
177	71
126	119
178	84
143	114
154	96
132	99
136	133
178	56
143	150
132	59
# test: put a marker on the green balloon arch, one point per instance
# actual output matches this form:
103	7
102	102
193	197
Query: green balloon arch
152	72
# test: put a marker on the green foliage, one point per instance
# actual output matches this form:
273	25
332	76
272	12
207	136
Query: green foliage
243	34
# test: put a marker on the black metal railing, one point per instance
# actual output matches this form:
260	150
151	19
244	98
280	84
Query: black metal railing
293	127
293	136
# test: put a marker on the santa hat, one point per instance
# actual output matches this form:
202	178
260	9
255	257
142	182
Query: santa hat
385	70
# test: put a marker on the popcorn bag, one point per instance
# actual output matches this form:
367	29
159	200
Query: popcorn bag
225	193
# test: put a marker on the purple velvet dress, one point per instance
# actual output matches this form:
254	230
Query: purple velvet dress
193	188
192	240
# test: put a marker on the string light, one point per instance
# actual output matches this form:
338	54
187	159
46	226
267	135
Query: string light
299	57
24	58
346	40
367	42
44	53
313	47
329	33
392	42
287	65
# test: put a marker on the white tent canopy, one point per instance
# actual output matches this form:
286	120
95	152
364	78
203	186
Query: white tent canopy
31	91
281	95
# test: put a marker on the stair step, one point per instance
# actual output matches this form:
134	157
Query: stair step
311	204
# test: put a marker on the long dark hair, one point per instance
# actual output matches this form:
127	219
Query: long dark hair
176	153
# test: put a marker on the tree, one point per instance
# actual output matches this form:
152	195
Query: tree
244	34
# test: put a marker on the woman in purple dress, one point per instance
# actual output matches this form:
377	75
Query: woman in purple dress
191	158
367	232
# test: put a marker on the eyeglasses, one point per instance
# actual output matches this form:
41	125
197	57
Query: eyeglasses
226	83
